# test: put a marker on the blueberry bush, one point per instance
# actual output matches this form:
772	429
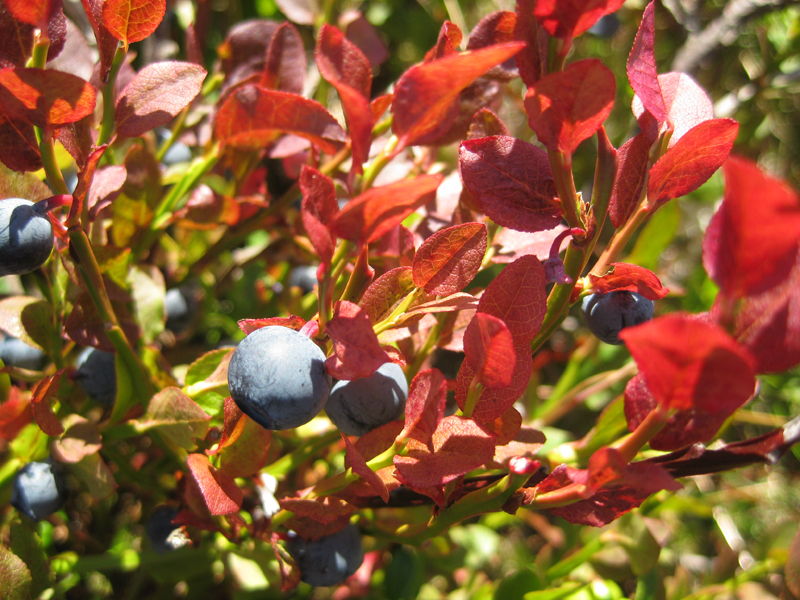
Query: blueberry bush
399	300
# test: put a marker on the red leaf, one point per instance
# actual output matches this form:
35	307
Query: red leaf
511	181
530	59
156	95
106	187
19	150
343	65
427	396
33	13
40	404
495	28
382	295
686	103
368	216
220	492
357	350
324	510
460	446
448	260
485	123
424	96
631	278
505	427
252	117
133	20
752	241
689	363
15	413
447	42
526	443
230	428
768	325
632	160
360	468
285	66
689	163
570	18
318	210
45	98
292	322
106	43
377	441
641	67
517	297
245	451
569	106
85	179
683	428
489	349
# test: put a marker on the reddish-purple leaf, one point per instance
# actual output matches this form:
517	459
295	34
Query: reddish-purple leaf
632	278
285	66
324	510
252	117
493	403
360	468
368	216
569	106
40	404
17	32
85	179
382	295
495	28
752	240
632	161
690	363
448	260
424	96
106	42
106	187
220	492
489	349
530	60
156	95
768	324
513	244
343	65
517	297
570	18
511	182
318	209
642	73
292	322
686	103
683	427
357	350
231	428
133	20
526	443
45	98
19	150
460	446
427	396
689	163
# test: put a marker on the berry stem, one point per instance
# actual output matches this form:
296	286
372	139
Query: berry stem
652	424
108	124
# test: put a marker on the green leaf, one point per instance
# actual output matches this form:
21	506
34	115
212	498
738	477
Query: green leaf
15	578
207	380
28	319
96	475
27	545
148	289
178	419
22	185
404	575
656	235
30	443
556	593
516	585
125	398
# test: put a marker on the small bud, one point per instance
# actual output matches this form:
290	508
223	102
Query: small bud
522	465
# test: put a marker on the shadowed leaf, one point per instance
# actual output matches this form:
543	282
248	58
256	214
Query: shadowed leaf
425	406
40	404
285	67
360	468
489	349
45	98
357	352
318	209
632	161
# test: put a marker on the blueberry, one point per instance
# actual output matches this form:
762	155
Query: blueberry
26	236
330	559
39	490
607	314
165	536
97	375
16	353
179	307
277	377
177	153
361	405
304	277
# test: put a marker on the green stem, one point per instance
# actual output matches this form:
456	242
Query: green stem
401	308
473	395
93	280
289	462
376	166
621	238
652	424
107	126
561	166
47	151
177	128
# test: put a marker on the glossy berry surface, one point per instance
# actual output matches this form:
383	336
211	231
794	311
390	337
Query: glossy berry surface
39	490
97	375
361	405
608	314
163	534
277	377
330	559
16	353
26	236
